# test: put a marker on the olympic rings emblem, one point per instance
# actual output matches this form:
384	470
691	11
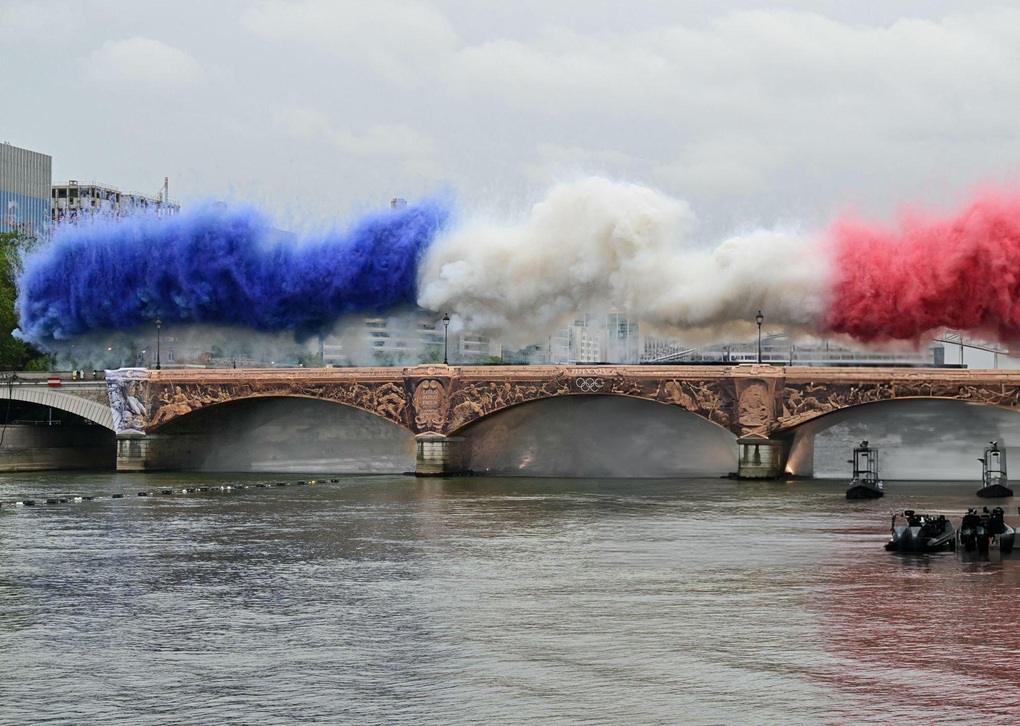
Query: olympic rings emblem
589	385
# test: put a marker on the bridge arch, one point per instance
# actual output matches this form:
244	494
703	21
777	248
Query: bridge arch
474	401
97	413
936	437
597	435
180	409
282	433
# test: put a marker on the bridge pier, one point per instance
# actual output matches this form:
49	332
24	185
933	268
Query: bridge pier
440	455
153	452
135	452
761	458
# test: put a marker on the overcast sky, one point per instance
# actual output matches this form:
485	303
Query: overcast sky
757	113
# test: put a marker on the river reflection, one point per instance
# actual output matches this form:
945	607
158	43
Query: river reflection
391	599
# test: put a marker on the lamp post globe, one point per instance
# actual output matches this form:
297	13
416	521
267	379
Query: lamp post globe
759	318
446	339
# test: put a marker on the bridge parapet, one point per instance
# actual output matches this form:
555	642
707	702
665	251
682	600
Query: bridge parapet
435	399
748	400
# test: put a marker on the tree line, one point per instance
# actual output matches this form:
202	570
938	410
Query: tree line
15	354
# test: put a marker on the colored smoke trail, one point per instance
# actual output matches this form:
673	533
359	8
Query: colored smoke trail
588	247
219	265
960	272
596	244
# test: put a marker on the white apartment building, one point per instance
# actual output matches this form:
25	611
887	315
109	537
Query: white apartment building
72	200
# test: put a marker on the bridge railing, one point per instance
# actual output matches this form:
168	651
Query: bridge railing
44	378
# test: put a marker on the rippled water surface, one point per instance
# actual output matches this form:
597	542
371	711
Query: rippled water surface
429	601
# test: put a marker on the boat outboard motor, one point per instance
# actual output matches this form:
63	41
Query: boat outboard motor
969	530
996	525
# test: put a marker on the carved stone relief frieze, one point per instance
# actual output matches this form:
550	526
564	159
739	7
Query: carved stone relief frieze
805	401
709	399
440	399
128	393
384	398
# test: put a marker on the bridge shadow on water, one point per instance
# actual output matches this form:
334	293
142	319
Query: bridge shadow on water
599	436
294	435
589	436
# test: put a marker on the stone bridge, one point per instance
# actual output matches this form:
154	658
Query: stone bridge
764	406
85	396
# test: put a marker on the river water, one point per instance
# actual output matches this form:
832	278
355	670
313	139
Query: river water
390	599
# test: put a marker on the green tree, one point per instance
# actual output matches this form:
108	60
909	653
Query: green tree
432	355
15	354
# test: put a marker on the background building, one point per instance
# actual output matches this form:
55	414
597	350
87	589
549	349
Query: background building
592	338
72	199
25	179
405	339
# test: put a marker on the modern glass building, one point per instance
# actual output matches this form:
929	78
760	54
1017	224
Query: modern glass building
25	179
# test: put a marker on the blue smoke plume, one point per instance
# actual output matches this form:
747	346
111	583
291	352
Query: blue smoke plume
214	264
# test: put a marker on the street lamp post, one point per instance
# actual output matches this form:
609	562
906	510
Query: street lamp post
446	339
759	318
159	324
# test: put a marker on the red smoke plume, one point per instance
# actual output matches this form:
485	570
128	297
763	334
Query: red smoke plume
930	273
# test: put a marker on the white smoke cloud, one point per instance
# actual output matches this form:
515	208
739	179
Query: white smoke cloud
595	244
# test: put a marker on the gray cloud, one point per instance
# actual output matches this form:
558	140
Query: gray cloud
753	114
140	65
